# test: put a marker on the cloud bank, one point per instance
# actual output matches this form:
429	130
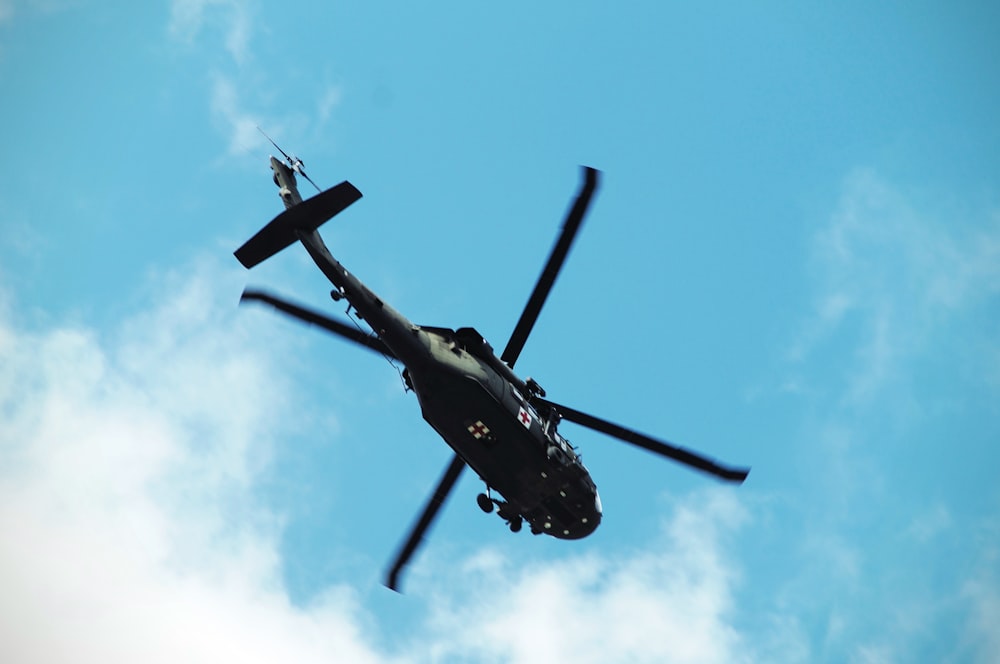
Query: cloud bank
131	527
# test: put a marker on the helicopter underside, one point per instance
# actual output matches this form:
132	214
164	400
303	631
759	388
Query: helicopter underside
502	438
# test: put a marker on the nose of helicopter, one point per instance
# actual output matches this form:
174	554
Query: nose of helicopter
590	525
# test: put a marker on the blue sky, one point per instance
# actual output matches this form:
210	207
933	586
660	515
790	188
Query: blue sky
793	262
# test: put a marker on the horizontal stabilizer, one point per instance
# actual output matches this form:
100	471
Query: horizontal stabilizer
306	216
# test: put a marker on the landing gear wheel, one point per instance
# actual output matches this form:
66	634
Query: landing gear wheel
515	524
484	502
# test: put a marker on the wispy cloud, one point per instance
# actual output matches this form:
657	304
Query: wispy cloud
983	595
328	101
241	93
240	124
895	351
930	524
889	276
228	25
233	18
9	9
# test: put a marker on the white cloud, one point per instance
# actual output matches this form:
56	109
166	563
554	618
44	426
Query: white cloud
873	654
243	95
889	276
189	18
131	530
983	595
233	19
328	101
239	124
670	602
11	8
890	355
930	523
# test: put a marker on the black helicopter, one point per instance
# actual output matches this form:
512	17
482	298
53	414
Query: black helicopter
500	425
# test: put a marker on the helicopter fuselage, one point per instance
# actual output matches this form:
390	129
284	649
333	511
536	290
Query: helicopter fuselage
482	410
492	424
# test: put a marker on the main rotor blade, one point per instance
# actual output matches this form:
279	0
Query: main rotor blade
430	511
322	320
548	277
662	448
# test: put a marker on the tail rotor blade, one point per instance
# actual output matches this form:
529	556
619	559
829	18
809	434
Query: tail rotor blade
548	277
679	454
303	174
437	499
284	154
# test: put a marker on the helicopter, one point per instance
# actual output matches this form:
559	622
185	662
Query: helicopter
500	425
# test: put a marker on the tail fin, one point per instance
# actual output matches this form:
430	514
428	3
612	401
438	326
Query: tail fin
306	216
